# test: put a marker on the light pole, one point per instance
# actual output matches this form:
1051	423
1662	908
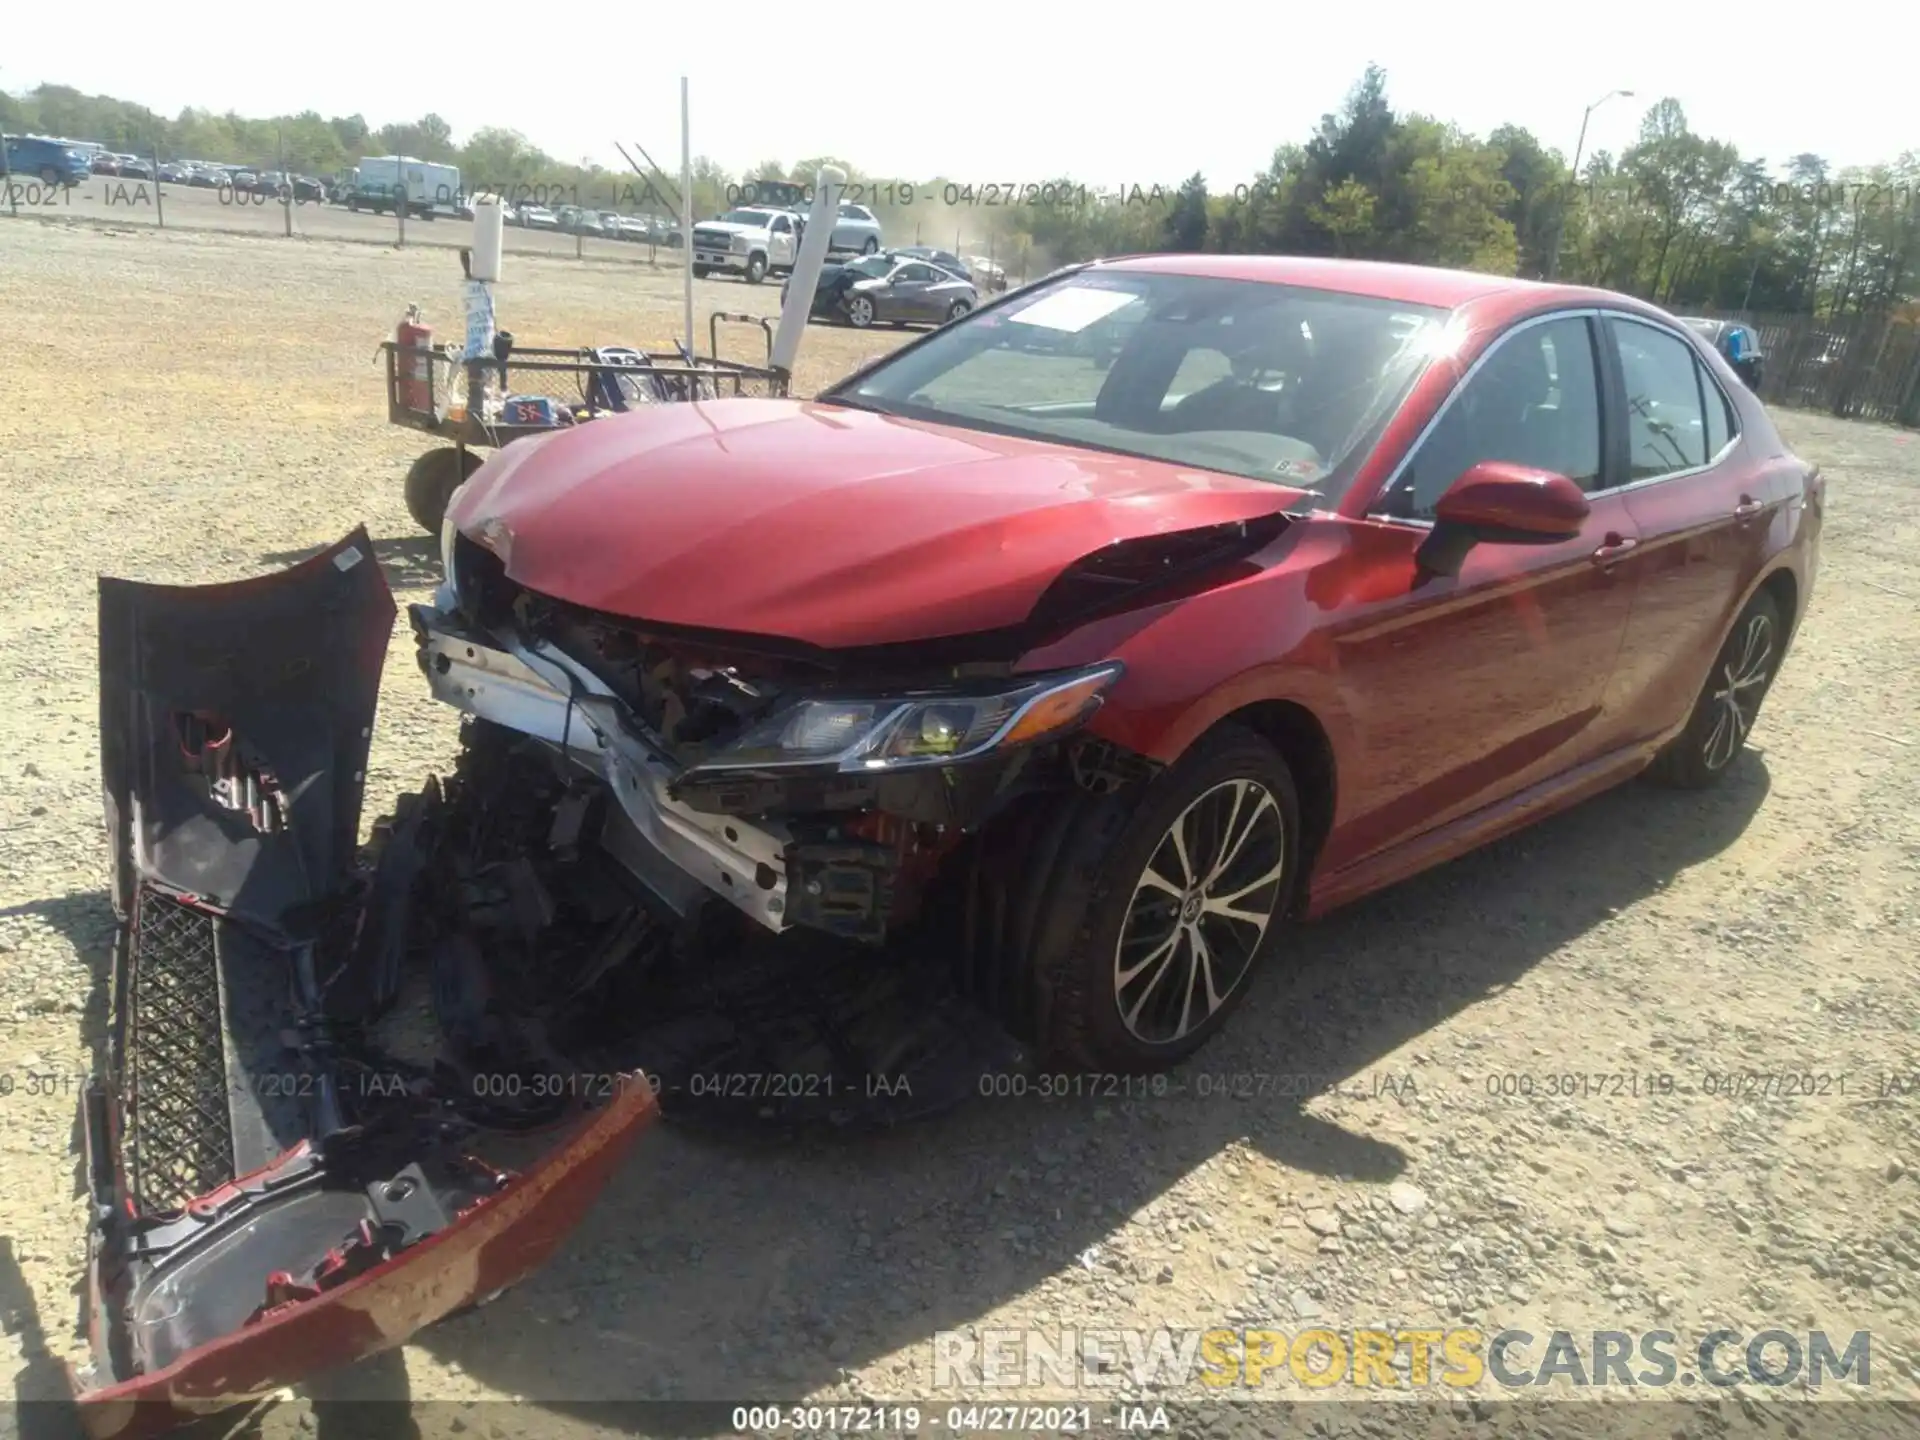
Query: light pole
1560	223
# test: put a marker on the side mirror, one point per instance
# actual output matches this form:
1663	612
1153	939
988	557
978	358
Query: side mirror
1496	503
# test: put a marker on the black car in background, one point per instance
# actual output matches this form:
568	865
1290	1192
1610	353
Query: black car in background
1738	343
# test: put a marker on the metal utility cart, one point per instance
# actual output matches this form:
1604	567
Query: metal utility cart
611	380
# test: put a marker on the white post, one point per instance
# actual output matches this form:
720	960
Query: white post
686	212
807	265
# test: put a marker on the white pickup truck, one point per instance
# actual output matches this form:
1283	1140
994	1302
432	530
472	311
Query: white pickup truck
753	242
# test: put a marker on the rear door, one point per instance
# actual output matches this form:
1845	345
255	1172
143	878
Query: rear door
1702	503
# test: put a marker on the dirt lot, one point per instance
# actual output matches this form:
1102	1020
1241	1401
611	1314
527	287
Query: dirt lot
186	407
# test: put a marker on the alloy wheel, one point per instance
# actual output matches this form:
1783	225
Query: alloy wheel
860	311
1746	666
1199	911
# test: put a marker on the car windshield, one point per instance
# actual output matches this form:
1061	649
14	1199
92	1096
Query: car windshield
747	217
1271	382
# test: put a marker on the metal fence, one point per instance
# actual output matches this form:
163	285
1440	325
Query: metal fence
168	205
1865	367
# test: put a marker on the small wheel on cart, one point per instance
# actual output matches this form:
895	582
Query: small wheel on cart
431	481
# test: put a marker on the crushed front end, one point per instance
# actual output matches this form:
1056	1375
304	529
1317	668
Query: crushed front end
815	790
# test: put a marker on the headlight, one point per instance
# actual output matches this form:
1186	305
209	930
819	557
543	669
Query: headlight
861	735
740	245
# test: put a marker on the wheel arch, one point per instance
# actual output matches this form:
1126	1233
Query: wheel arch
1305	744
1783	587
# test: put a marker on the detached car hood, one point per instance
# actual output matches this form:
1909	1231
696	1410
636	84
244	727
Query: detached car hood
820	524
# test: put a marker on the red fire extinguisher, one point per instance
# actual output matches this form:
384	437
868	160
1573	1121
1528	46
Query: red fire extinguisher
416	371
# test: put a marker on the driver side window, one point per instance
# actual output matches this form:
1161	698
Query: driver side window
1534	400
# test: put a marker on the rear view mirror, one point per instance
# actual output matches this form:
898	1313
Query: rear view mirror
1497	503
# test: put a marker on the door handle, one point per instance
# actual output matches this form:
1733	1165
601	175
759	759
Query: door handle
1747	509
1616	548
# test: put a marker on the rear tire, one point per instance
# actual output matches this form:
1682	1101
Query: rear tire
860	312
957	310
1070	904
431	481
872	246
1729	703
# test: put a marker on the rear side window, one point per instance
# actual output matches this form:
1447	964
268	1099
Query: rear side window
1666	413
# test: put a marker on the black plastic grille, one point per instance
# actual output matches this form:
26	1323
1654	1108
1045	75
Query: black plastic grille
178	1134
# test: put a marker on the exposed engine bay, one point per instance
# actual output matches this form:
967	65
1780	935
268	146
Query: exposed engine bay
808	789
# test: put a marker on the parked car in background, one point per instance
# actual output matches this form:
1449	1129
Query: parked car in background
132	167
988	273
889	288
1738	343
174	172
538	217
945	259
855	228
662	232
105	163
575	220
52	162
750	241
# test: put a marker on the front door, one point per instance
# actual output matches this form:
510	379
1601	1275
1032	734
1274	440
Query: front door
907	294
1468	689
781	244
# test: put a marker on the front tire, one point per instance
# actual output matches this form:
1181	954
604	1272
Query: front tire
431	481
1119	932
756	269
1729	704
700	272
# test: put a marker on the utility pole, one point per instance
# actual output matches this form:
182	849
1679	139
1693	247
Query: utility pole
1560	221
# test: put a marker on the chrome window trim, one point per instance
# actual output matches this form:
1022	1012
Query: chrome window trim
1733	437
1593	312
1373	511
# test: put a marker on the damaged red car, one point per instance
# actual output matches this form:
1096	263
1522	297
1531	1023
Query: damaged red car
1011	698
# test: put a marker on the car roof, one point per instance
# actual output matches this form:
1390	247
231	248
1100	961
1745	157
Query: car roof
1408	284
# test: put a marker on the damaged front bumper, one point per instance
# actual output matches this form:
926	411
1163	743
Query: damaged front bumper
271	1192
537	690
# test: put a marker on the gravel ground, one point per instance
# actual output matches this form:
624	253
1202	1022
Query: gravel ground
1765	928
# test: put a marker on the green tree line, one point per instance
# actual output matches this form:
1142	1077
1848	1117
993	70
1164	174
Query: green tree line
1676	217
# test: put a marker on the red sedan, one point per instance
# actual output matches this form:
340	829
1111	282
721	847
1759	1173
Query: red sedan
1207	593
1073	651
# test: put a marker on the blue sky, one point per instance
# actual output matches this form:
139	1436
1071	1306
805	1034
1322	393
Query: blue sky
1112	95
